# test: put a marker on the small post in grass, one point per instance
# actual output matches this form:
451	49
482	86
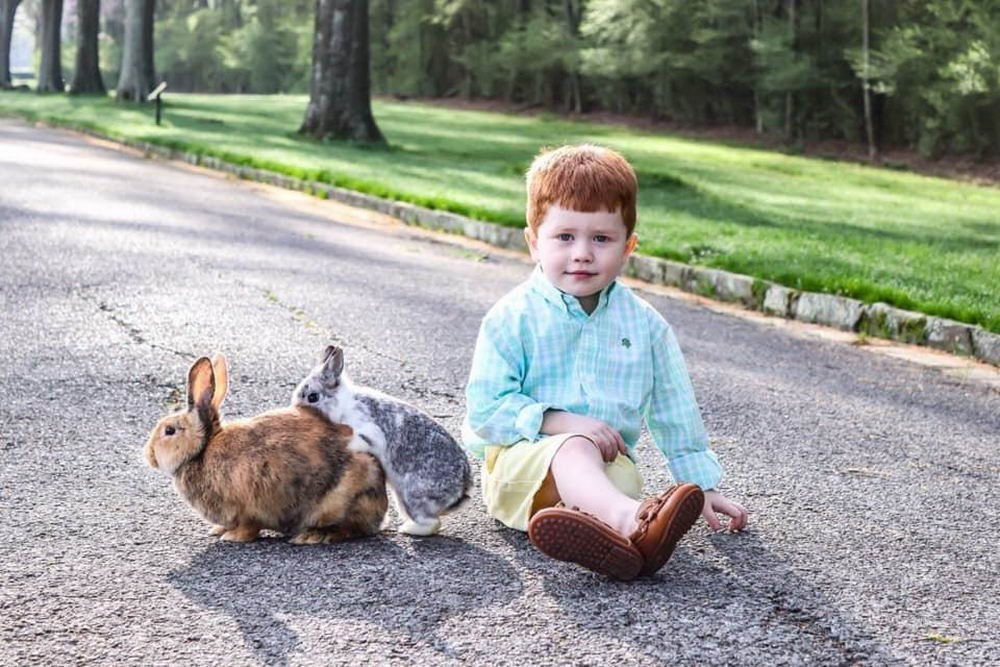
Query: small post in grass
155	96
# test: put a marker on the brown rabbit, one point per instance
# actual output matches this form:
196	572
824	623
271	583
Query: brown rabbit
288	470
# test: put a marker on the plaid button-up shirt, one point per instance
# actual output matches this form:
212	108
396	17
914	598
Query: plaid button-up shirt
538	350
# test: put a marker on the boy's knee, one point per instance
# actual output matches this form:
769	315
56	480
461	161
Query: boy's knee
578	445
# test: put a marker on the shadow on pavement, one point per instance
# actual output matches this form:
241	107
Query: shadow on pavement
404	586
720	595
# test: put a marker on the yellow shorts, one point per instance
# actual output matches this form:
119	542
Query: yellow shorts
513	476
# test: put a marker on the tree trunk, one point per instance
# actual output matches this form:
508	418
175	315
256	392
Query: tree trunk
340	92
50	78
7	10
866	80
87	76
573	12
792	5
758	114
138	75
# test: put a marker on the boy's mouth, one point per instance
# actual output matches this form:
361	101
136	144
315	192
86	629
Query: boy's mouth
580	274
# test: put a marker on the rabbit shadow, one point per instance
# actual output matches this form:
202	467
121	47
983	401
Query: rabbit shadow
400	584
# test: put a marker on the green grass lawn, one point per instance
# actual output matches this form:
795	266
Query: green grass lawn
919	243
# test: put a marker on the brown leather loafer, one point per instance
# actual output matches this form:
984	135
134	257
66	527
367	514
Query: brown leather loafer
663	520
577	537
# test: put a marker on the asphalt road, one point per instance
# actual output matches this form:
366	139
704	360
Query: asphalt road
872	482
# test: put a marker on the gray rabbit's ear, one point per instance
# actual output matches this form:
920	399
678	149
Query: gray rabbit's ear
201	384
333	364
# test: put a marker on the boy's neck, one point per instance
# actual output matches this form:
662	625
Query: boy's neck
589	303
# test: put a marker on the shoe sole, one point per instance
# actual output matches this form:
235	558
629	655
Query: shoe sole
688	509
584	541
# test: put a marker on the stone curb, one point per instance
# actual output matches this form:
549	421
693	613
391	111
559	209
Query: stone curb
879	319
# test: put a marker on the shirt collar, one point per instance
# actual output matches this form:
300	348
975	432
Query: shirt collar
567	302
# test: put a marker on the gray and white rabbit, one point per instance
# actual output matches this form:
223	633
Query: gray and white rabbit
424	466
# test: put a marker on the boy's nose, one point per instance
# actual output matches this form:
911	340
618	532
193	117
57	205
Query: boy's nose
582	253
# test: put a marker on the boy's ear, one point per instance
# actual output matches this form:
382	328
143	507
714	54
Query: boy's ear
531	238
630	245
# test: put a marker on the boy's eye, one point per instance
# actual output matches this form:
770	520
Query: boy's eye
565	237
601	238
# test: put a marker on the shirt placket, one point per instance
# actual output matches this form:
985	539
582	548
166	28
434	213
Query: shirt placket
585	367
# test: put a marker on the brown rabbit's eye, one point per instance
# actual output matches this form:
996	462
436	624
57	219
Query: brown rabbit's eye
313	397
169	430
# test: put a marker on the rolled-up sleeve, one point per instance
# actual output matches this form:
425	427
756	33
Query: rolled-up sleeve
673	417
497	413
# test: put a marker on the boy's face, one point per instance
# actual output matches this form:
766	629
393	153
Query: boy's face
581	253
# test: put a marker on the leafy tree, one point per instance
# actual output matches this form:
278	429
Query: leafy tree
939	66
920	73
415	61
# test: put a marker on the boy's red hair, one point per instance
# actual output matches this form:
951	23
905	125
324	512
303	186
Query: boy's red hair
583	178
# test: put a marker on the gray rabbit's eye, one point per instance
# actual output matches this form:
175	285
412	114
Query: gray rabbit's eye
313	397
169	430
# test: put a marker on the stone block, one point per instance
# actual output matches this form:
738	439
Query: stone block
699	280
645	268
778	301
986	346
885	321
675	273
948	335
829	309
733	287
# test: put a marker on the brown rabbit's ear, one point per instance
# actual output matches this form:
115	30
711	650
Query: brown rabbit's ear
221	367
201	384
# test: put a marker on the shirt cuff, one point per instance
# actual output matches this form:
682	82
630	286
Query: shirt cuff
529	420
701	468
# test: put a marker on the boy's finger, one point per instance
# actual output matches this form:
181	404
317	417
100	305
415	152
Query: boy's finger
608	451
713	521
744	518
738	517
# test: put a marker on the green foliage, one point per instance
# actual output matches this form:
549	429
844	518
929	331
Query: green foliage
794	69
940	67
228	45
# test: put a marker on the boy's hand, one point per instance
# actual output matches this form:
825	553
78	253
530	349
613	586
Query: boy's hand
608	440
716	502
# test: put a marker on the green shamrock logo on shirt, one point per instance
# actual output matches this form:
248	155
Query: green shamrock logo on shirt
626	343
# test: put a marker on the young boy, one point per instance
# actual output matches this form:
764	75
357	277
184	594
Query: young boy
567	367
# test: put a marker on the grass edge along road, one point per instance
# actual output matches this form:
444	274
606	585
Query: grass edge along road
915	242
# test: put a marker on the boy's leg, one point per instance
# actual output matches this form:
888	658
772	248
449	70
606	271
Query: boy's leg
578	477
578	472
583	535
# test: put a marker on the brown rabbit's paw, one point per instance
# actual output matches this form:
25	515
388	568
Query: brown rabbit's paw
307	537
217	530
241	534
328	535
